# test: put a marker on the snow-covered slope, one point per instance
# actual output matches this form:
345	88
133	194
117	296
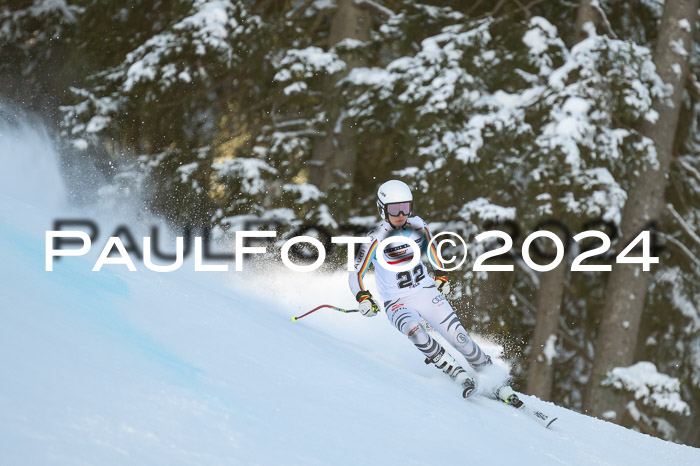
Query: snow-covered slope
118	367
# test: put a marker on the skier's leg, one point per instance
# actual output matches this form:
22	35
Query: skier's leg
408	322
439	314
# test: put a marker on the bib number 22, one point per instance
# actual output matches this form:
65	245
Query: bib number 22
408	278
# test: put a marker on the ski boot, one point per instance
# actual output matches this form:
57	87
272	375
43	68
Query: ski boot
445	362
508	396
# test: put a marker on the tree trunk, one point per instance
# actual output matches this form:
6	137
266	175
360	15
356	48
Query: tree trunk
541	365
628	284
586	14
350	21
334	154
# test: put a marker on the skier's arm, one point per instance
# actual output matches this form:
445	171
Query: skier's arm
368	306
431	251
363	259
441	280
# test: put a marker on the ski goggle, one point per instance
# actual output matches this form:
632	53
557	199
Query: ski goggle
398	208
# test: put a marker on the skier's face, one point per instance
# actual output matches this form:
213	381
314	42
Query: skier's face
397	220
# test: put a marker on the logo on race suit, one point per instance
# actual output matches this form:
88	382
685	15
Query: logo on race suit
438	298
396	248
359	258
461	338
396	306
362	251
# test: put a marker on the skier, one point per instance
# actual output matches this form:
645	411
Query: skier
411	294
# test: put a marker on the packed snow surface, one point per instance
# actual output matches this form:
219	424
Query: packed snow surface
119	367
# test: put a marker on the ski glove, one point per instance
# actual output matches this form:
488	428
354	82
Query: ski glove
368	307
442	284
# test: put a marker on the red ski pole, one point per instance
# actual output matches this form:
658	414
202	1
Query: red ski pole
347	311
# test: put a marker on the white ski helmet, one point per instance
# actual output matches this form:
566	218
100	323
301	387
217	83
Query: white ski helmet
394	192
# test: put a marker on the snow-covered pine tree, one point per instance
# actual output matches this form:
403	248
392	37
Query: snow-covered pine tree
167	108
34	41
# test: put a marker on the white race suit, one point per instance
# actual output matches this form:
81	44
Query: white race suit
412	294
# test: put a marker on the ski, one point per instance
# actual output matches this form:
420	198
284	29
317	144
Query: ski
511	399
508	396
538	416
